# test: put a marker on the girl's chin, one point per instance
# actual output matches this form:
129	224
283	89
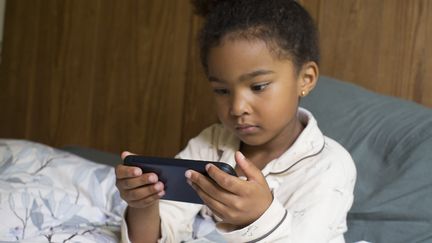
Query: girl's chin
250	140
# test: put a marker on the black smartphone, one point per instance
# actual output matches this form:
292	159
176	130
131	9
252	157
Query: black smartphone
171	172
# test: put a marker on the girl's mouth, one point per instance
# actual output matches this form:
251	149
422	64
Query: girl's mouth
246	129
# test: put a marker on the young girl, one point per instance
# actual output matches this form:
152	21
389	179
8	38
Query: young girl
295	184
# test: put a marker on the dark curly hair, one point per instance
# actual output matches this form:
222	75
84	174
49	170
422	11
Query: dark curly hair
285	26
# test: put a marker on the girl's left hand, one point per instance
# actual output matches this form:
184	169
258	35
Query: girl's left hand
237	202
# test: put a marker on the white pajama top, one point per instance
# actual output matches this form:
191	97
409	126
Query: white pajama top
312	185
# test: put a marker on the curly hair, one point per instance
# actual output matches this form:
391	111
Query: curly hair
284	25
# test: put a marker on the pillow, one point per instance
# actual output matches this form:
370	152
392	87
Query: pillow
391	143
51	195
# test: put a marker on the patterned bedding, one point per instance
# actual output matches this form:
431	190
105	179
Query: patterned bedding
49	195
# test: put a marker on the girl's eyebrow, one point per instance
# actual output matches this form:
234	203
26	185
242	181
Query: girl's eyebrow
254	74
245	76
214	79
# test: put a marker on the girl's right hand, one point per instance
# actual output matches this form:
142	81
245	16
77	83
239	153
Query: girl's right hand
137	189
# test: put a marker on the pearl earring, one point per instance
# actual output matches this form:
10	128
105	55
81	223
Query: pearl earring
303	93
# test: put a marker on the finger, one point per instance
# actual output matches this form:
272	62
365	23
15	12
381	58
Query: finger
144	202
251	172
226	181
142	192
124	171
131	183
221	209
209	199
206	185
126	153
215	206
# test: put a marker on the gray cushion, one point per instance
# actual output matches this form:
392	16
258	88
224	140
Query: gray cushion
391	142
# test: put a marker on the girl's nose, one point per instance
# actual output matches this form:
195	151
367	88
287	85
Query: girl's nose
239	105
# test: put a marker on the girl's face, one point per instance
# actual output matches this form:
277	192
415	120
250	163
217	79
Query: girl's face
256	94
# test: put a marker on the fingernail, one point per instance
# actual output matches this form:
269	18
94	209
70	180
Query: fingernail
161	194
191	184
152	179
188	174
241	155
207	167
124	154
137	172
158	186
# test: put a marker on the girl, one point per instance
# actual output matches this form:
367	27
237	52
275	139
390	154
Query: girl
295	184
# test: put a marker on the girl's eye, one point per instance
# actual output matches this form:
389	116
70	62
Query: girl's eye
220	91
259	87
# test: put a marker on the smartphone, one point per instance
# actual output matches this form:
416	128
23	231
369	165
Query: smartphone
171	172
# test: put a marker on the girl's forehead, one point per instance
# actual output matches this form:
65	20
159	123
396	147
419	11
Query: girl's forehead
233	43
238	53
240	49
237	39
235	57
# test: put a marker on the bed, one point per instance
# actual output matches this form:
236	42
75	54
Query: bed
68	194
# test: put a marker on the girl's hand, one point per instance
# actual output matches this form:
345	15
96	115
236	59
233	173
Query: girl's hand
236	201
137	189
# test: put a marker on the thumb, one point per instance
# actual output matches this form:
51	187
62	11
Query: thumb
125	153
251	172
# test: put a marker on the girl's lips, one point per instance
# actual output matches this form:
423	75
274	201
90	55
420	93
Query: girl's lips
246	129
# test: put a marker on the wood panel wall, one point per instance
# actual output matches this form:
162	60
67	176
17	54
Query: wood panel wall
116	75
105	74
382	45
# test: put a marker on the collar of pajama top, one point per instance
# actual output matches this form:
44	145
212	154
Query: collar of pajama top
309	143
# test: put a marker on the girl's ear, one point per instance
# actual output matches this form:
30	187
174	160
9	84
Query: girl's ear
308	78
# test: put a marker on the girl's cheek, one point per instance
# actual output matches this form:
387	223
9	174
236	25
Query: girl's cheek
222	106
